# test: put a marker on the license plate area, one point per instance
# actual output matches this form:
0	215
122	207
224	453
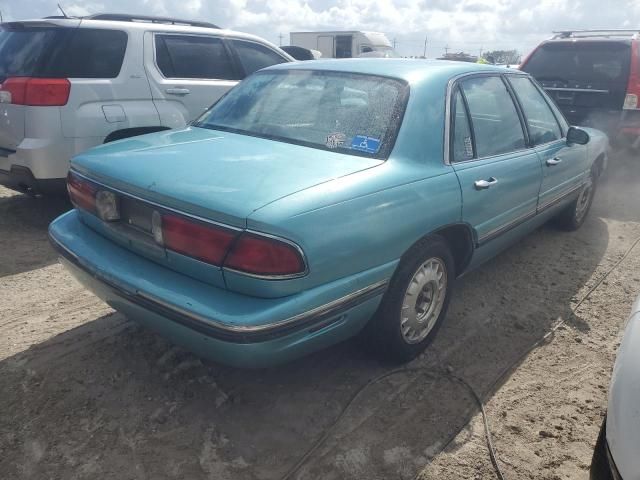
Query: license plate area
136	215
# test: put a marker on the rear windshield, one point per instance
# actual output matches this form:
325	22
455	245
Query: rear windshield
59	52
581	64
344	112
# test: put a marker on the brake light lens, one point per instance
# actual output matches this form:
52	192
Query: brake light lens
240	251
82	192
203	242
631	101
35	92
260	255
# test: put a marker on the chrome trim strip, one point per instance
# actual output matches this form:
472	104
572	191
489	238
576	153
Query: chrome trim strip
508	226
218	224
559	198
566	89
217	329
301	317
523	218
507	155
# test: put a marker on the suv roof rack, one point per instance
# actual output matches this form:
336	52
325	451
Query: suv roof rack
120	17
605	32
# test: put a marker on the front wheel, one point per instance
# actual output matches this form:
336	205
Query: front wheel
575	214
415	303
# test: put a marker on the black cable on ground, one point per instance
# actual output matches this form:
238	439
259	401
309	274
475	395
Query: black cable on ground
444	374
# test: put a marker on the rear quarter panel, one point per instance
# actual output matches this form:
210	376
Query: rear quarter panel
364	221
97	107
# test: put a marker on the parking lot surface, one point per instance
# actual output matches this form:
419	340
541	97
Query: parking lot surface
86	393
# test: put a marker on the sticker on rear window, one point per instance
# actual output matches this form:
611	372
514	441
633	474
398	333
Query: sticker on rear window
335	140
468	147
363	143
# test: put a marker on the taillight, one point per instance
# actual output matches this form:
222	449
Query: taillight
261	255
82	192
240	251
207	243
632	99
35	92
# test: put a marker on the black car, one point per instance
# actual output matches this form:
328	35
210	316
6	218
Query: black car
299	53
594	77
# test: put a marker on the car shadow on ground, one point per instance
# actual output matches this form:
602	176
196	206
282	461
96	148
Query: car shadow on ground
23	222
109	397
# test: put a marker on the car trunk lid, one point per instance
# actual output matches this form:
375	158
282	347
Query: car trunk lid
217	175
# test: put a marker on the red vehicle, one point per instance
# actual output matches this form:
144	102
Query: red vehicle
594	77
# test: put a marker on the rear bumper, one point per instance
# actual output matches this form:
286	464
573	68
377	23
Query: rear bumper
40	165
21	179
227	327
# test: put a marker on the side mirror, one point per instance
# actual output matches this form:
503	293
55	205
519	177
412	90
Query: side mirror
578	136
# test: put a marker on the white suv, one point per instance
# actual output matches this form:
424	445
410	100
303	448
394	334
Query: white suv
68	84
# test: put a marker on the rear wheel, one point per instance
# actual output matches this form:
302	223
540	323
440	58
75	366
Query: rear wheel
415	303
575	214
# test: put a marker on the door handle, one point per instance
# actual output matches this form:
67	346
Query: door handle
553	161
178	91
484	184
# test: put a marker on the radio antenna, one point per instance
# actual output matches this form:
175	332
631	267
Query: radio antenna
63	14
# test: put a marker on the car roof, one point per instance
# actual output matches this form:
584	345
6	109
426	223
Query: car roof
408	69
590	39
142	26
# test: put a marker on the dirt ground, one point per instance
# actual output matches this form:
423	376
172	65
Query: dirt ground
86	393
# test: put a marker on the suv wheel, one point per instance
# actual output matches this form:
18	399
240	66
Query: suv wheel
415	303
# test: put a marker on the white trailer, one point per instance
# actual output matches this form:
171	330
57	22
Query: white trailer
344	44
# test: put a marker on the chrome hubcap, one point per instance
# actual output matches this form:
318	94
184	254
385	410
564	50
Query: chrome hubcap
583	200
423	300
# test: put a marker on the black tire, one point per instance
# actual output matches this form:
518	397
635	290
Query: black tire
383	334
600	469
574	215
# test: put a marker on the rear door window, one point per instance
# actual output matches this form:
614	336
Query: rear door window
496	124
193	56
542	123
89	53
254	56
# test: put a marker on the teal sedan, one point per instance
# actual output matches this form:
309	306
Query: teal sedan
321	200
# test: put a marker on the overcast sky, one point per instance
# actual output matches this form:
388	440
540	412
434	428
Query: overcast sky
469	25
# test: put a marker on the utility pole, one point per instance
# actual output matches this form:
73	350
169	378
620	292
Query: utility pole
424	54
280	37
394	43
446	49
